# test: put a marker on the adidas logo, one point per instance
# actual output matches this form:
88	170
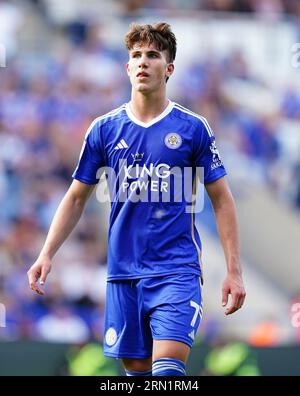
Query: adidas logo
121	145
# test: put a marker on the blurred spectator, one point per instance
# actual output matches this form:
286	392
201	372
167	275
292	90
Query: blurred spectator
266	333
11	17
62	325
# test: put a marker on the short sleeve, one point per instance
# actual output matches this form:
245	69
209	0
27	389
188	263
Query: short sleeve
206	153
91	157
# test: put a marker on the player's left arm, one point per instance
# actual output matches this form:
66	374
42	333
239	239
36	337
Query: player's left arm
227	224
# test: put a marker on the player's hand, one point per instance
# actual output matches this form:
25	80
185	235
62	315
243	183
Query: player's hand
233	284
39	271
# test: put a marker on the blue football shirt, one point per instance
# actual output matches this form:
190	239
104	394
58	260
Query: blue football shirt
151	169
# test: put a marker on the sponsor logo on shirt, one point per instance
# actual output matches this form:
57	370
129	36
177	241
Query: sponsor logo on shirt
121	145
216	161
137	157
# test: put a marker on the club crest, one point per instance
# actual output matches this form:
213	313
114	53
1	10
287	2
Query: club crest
173	140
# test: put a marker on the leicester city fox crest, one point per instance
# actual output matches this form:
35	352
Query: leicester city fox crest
173	140
111	336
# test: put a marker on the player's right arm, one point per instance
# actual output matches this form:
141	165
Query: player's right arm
65	219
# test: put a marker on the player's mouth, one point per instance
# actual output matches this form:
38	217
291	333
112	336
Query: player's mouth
142	75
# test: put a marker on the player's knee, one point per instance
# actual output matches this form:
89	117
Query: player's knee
137	365
170	349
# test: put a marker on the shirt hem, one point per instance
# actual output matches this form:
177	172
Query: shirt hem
82	180
153	275
212	179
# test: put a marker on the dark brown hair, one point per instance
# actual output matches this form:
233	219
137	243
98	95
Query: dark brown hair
159	34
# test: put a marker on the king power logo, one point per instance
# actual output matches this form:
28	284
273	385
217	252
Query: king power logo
152	183
144	178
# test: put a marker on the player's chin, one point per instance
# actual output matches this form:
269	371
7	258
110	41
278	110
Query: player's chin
143	87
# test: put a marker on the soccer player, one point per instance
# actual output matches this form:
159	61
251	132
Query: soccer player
153	302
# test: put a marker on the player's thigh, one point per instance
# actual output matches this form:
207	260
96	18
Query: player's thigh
127	332
170	349
176	310
139	365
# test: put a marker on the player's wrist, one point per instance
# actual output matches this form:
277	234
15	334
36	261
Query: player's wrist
45	255
234	271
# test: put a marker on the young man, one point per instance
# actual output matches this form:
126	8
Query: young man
154	303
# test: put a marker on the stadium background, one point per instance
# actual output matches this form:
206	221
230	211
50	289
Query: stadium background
238	64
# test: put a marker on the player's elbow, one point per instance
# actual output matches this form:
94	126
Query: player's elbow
78	194
223	201
77	202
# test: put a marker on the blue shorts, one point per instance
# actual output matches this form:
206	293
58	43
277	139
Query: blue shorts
159	308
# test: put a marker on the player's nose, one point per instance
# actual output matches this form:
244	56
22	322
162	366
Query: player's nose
143	61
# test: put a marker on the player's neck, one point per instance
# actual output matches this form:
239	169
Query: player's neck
146	108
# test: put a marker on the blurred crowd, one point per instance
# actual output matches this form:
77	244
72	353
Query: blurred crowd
262	7
48	99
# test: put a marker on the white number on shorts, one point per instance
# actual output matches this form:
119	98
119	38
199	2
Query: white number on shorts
197	309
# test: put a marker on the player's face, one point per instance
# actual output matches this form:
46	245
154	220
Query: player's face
148	68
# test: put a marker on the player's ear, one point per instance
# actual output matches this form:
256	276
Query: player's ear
127	68
170	69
